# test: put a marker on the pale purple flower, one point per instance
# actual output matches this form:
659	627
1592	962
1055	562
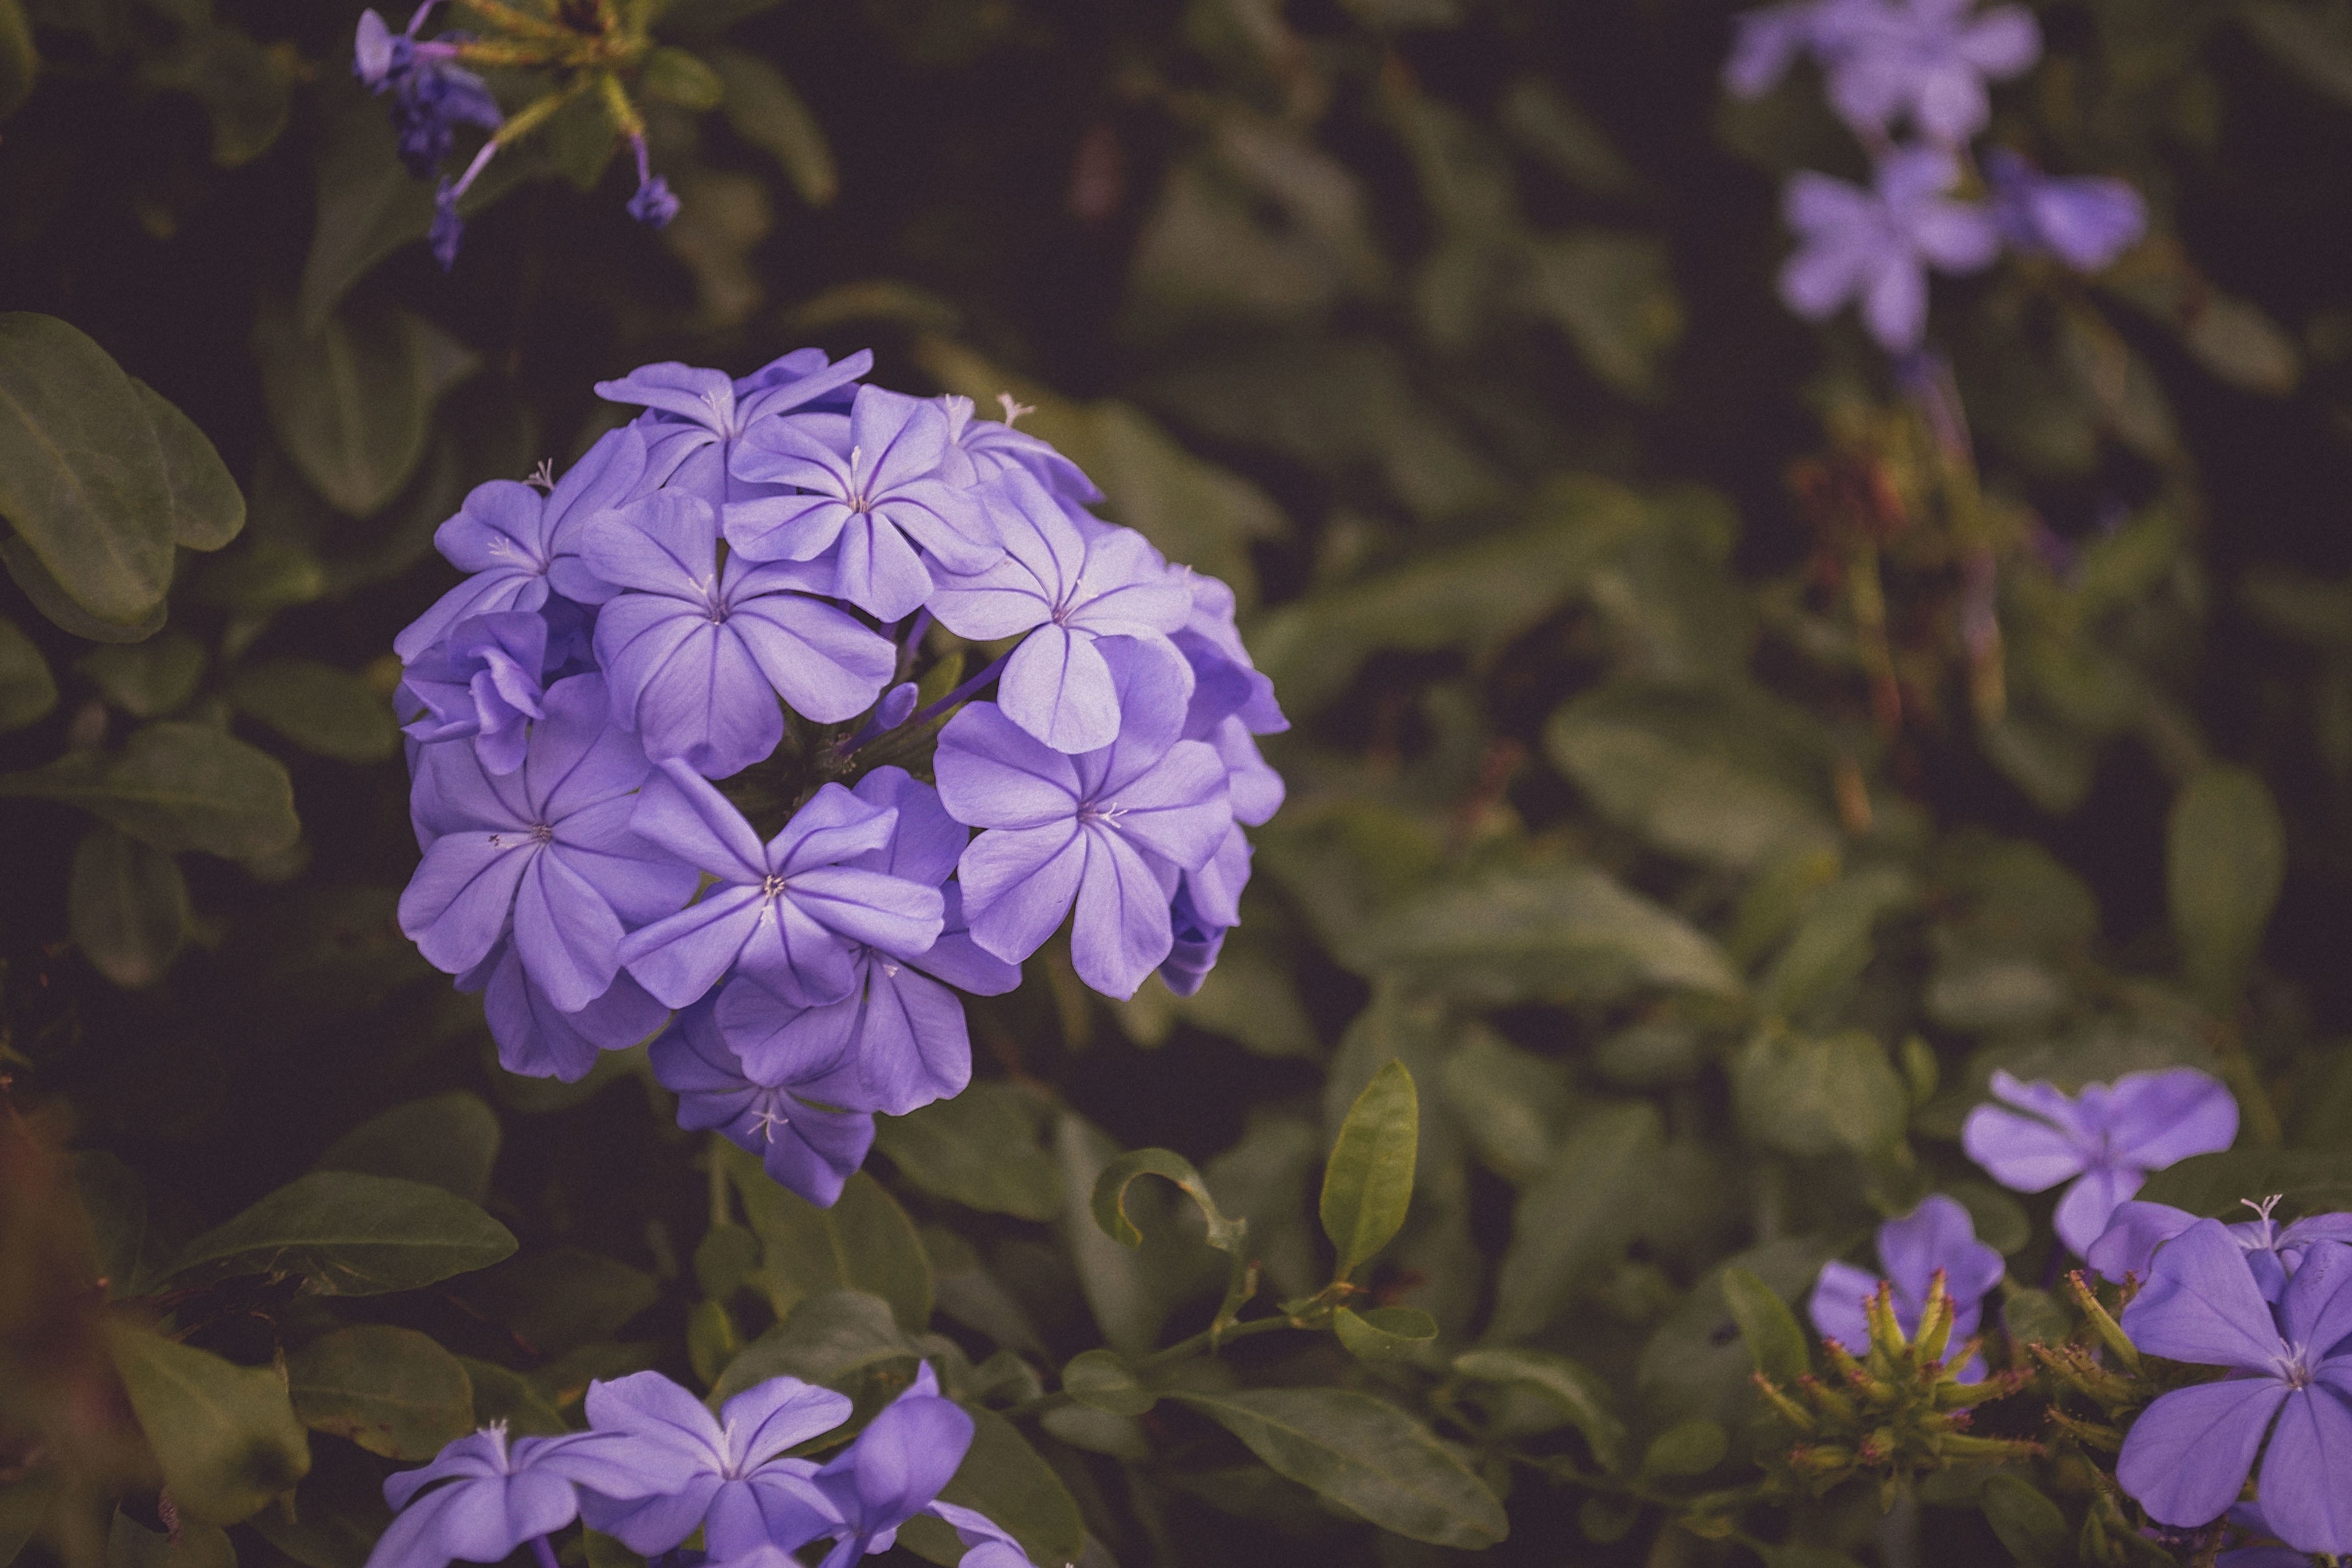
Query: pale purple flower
2289	1374
1111	829
787	914
1928	61
2136	1230
517	543
697	653
546	851
2085	221
1936	1234
806	1148
489	1496
742	1490
1197	941
897	1040
895	1471
695	415
1225	683
982	449
482	682
1769	39
2105	1141
1074	590
1875	245
537	1039
431	94
880	511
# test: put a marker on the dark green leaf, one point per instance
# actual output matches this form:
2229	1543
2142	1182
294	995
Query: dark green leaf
81	476
979	1149
28	690
672	75
336	1515
349	402
1580	1396
319	708
447	1140
1228	1236
500	1394
225	1435
1808	1096
2309	1181
561	1298
1574	1219
1384	1334
829	1337
1368	1181
20	62
1688	1448
129	1544
24	1504
146	679
350	1235
1832	944
765	112
1774	1337
115	1201
391	1391
2225	858
2031	1526
245	89
127	905
25	570
865	1242
712	1340
1102	1379
1614	295
1366	1456
178	787
206	508
725	1259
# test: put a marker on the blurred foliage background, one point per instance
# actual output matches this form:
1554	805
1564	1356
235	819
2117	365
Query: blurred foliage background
1700	783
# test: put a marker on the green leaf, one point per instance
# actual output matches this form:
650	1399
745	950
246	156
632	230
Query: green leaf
1774	1337
349	1234
979	1149
1688	1448
1005	1478
391	1391
865	1242
1230	1237
2225	859
1102	1379
25	570
1578	1215
224	1436
447	1140
81	475
725	1259
1368	1181
127	905
28	689
2314	42
2031	1526
672	75
1832	944
1366	1456
1510	1103
20	65
829	1337
765	112
1384	1334
500	1394
2308	1181
115	1201
563	1298
1614	295
712	1340
1812	1096
179	787
129	1544
349	402
146	679
1126	1290
24	1504
322	709
206	508
245	90
1580	1396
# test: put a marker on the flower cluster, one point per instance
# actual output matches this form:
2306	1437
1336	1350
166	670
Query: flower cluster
1920	66
655	1466
736	586
1935	1239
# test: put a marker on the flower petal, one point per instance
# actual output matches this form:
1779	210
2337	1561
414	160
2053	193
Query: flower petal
2187	1457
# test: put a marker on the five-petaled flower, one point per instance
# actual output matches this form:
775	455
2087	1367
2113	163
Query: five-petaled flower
1875	245
1937	1234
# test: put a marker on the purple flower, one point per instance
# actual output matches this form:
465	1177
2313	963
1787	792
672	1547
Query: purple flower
498	1495
786	914
483	683
697	653
1936	1234
1767	41
982	449
653	204
378	53
1111	829
1197	942
546	850
431	94
1875	245
1225	683
895	1471
1072	590
694	416
2187	1457
897	1040
2136	1230
740	1490
517	543
537	1039
808	1149
866	506
2105	1141
1928	60
2085	222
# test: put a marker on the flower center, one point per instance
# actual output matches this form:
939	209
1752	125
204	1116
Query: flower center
542	833
2294	1368
772	887
1104	811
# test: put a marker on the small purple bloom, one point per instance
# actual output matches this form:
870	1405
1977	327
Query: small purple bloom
982	449
498	1494
1225	683
1767	41
1928	60
1067	591
868	507
898	1039
2085	222
546	851
805	1148
697	653
1197	941
537	1039
895	1471
653	204
2136	1230
2106	1141
378	53
517	543
431	94
786	914
1875	245
2187	1455
1936	1234
742	1490
483	683
1111	829
694	416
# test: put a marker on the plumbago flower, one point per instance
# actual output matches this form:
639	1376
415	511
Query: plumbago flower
1928	61
1937	1237
2136	1231
482	1497
2104	1142
2085	222
1875	245
696	600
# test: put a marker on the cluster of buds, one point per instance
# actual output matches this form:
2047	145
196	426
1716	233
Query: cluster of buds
602	51
1897	1412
